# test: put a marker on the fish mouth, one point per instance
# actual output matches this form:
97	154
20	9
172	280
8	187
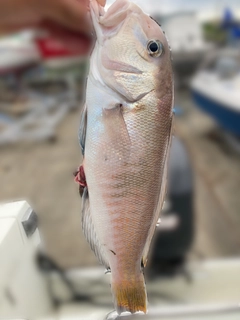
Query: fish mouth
106	24
96	11
110	20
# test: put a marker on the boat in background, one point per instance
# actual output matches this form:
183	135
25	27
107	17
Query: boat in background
232	26
42	290
216	88
18	52
185	34
41	79
22	50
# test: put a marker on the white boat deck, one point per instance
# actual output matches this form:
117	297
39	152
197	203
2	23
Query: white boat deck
226	92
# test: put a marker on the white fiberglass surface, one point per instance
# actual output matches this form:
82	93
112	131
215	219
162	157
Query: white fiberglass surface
225	91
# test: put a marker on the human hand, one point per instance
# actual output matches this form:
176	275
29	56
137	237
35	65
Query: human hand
66	20
70	14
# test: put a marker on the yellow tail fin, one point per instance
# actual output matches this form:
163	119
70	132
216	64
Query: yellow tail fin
130	295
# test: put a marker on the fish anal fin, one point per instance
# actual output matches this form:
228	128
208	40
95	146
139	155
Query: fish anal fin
90	232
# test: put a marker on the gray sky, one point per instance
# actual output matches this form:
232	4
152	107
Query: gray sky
163	6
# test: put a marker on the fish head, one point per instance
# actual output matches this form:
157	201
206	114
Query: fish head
131	55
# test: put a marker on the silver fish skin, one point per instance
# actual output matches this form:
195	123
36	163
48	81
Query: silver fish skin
125	136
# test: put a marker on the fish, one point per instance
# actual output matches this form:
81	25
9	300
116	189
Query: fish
125	137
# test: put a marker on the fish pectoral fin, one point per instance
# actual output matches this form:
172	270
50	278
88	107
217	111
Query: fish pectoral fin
83	129
117	132
90	231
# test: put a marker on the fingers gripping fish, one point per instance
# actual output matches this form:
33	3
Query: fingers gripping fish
125	137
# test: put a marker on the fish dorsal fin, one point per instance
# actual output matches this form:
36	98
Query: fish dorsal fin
83	129
161	198
90	232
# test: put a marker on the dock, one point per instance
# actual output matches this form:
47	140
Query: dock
42	173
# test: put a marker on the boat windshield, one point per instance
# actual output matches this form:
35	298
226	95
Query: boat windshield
227	67
223	67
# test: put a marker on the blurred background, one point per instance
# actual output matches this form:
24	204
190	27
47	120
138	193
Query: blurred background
42	84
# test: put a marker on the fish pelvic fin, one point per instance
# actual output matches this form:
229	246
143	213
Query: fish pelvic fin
130	295
83	129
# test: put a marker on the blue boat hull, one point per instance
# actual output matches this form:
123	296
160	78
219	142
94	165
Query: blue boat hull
226	117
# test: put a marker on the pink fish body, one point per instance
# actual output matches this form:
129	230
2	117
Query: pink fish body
125	137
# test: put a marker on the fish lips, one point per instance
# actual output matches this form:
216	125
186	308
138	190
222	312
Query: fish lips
108	23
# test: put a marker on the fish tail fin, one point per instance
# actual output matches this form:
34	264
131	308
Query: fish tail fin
130	295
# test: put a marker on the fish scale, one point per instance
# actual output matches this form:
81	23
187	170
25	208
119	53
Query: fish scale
126	138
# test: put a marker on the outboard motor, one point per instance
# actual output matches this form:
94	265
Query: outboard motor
174	235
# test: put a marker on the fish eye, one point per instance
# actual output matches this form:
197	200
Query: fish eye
155	48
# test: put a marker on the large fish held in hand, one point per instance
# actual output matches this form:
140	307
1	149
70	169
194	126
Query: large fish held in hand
125	136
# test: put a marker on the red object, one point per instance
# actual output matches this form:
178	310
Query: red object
53	48
80	177
58	42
